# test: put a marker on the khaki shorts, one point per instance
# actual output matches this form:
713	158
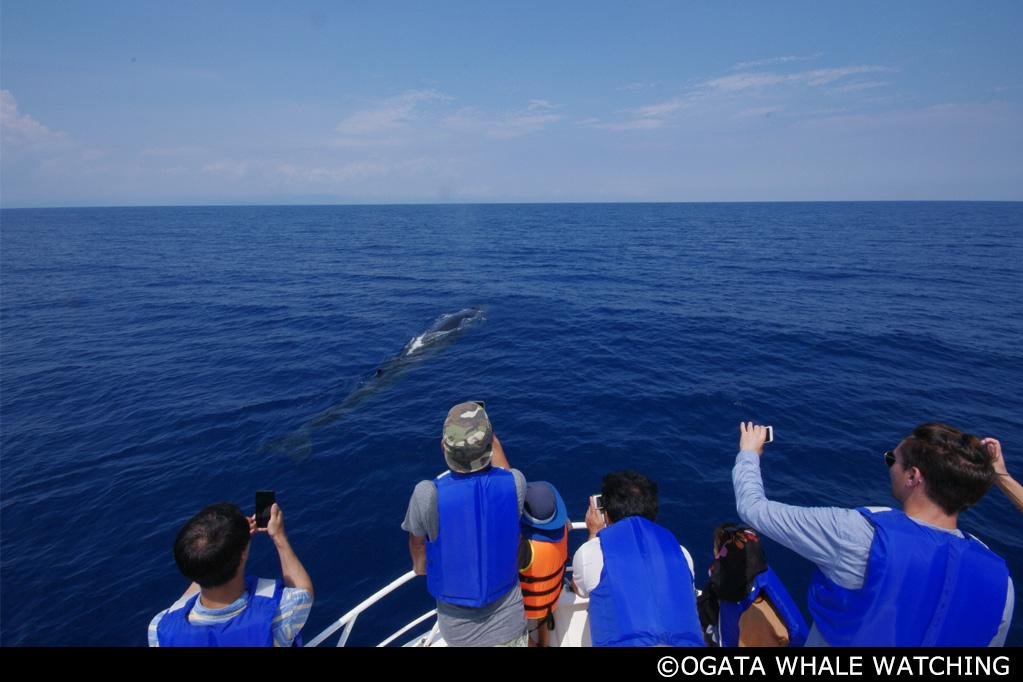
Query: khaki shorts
518	641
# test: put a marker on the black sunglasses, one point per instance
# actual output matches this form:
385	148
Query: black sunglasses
889	458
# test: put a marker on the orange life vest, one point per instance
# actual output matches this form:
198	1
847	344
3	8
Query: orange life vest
541	581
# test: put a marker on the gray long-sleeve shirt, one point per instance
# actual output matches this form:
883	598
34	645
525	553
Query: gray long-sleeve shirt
843	559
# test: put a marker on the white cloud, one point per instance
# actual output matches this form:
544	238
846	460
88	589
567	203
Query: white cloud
862	85
824	76
814	78
773	61
540	105
535	118
390	115
661	109
716	99
648	117
23	130
388	123
745	81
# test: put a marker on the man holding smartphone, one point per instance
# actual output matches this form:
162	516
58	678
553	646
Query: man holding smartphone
638	578
463	531
946	586
223	606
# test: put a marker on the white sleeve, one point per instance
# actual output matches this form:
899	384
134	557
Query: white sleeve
1003	628
689	560
587	563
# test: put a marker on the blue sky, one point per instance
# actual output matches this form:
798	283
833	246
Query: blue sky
126	103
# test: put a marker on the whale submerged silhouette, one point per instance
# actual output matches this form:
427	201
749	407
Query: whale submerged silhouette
298	445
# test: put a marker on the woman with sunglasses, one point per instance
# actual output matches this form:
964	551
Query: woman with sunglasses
930	584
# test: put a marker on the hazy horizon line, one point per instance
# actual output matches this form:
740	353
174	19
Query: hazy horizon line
508	203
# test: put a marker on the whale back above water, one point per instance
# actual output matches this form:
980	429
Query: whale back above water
298	445
442	328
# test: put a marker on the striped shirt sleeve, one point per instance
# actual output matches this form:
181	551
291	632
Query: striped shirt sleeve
291	615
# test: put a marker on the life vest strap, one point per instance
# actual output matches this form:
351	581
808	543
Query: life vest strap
542	578
542	611
541	593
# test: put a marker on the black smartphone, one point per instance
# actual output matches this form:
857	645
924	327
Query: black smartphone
597	501
264	500
770	434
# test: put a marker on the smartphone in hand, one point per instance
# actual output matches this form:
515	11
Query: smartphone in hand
597	501
770	434
264	500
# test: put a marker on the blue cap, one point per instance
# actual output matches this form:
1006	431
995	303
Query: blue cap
544	509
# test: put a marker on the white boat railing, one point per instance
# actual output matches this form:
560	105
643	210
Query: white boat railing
347	621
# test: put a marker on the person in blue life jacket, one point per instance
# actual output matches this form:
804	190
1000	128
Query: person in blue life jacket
894	577
745	603
463	531
223	606
638	578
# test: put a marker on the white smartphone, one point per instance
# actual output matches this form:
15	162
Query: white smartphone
597	501
770	434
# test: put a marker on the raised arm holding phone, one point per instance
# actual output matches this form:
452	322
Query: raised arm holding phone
948	587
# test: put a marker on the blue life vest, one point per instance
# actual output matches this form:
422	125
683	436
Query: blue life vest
252	627
645	596
923	587
473	561
766	584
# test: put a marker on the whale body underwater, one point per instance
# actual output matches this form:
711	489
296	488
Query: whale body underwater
298	445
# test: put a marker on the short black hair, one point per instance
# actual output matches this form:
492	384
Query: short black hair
629	493
956	466
209	547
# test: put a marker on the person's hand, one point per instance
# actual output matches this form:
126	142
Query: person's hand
997	460
275	527
497	457
253	528
752	437
594	520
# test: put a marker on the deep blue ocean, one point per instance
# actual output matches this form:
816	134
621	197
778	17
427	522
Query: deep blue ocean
147	356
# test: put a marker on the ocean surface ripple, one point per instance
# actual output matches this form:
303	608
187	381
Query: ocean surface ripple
148	356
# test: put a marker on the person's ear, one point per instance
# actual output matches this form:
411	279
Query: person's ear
914	477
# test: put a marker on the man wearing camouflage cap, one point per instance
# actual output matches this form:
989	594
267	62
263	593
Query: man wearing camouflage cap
463	531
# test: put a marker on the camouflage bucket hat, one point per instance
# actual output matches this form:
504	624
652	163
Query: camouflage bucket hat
468	438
